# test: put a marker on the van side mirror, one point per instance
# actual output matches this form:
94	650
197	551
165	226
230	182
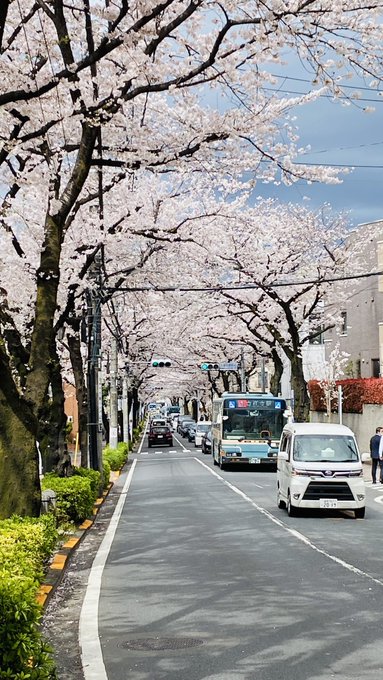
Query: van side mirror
365	457
283	455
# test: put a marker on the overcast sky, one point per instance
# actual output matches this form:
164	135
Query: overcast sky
340	135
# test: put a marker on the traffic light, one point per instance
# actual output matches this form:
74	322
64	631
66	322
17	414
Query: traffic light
205	366
161	363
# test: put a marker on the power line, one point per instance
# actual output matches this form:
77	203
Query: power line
249	286
343	87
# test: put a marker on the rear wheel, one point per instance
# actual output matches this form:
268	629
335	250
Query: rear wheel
360	513
292	511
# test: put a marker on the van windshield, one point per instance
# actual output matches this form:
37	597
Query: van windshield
320	448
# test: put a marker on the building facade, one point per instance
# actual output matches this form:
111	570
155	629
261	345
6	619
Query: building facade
360	332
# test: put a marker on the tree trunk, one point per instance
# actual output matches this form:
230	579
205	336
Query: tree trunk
275	380
52	425
19	461
299	386
135	403
81	392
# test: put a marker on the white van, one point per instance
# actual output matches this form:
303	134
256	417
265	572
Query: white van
319	466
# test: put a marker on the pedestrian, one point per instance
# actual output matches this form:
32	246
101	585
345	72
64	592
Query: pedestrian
376	451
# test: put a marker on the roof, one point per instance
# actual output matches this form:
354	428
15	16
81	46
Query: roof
318	428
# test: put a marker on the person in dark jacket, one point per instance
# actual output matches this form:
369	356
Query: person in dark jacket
376	451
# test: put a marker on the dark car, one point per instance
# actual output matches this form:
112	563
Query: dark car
182	419
160	435
190	432
184	426
206	442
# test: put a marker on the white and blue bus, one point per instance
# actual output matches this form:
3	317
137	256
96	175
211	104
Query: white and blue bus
246	428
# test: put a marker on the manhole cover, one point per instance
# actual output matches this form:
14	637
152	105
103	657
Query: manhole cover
158	644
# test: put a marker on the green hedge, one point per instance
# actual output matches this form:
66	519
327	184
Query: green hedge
25	544
23	652
94	478
105	473
116	457
75	498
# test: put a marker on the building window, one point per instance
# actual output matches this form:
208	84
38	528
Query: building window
343	327
375	368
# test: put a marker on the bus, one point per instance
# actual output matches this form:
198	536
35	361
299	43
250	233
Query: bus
246	428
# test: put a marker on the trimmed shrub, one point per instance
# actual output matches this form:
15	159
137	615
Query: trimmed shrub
75	499
94	478
116	457
23	652
356	392
26	543
105	474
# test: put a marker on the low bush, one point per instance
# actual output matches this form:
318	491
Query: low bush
23	652
75	498
26	543
116	457
105	474
94	478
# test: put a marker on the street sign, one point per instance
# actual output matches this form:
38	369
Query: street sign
228	366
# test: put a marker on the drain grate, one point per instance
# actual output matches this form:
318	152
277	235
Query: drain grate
159	644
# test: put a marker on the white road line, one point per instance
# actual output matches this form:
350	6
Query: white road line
143	437
378	499
179	442
292	532
91	653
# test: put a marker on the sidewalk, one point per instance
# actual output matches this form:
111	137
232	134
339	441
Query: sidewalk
56	568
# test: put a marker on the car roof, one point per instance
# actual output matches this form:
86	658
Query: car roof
318	428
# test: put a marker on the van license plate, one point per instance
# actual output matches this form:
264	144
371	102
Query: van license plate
255	460
328	503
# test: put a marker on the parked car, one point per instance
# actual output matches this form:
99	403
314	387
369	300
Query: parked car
190	432
202	427
184	426
206	442
160	435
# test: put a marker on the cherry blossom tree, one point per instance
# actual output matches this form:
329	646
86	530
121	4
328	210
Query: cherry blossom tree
92	92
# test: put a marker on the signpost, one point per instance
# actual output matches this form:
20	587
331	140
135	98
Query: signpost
228	366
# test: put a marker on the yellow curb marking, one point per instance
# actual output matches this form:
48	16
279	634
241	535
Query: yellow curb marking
99	501
85	525
45	589
71	543
58	562
41	599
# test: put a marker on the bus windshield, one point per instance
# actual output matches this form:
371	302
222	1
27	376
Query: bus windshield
252	419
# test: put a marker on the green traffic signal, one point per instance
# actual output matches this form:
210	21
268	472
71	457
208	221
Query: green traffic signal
209	367
160	363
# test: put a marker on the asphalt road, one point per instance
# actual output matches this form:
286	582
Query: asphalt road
199	576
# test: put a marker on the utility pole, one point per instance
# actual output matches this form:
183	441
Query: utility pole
93	372
113	416
125	405
263	375
242	371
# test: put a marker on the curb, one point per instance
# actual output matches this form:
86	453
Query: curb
55	570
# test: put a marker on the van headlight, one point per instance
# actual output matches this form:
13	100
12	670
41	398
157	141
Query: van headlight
300	473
